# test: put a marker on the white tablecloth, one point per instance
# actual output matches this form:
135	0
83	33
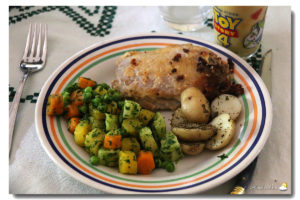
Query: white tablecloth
31	171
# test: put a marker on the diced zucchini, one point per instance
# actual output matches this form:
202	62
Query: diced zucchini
170	148
130	144
145	116
111	122
158	127
96	123
81	130
147	140
93	140
94	112
127	162
108	157
131	109
132	126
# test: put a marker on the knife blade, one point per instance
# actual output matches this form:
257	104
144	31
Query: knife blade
244	178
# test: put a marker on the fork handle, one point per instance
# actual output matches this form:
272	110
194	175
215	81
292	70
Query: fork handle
14	108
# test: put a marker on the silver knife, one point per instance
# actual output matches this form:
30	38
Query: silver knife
244	178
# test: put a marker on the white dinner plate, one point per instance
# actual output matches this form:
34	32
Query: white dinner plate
192	174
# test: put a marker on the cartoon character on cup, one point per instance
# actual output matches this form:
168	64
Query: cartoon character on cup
254	37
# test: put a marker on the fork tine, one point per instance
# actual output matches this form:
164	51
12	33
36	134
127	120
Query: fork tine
27	43
33	43
45	43
38	50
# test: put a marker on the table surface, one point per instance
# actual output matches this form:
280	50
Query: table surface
71	29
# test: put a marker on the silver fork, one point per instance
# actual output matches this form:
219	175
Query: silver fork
33	60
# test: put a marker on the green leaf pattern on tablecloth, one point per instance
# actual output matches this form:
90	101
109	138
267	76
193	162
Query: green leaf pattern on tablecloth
20	8
209	23
32	98
88	11
255	61
101	29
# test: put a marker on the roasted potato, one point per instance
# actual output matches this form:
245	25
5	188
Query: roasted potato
190	131
226	103
225	130
194	134
194	105
192	148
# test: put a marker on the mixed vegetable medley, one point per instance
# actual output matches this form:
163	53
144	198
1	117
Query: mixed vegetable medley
116	132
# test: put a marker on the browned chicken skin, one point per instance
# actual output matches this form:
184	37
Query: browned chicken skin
156	78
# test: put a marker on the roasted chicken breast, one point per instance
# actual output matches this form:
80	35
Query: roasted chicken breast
156	78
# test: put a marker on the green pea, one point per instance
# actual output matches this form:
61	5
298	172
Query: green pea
107	98
88	90
170	167
87	96
102	107
66	98
96	101
94	93
94	160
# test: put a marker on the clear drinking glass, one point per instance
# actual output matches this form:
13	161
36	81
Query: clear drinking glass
185	18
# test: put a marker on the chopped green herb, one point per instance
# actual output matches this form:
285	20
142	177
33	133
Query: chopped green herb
223	156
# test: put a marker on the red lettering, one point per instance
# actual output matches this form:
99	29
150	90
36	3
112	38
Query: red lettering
227	32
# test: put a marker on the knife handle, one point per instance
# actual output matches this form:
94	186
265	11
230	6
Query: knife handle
244	178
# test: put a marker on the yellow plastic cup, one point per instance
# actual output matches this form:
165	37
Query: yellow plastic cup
239	28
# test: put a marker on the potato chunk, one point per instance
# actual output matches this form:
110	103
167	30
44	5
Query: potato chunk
93	140
226	103
225	131
146	116
127	162
194	105
130	144
81	131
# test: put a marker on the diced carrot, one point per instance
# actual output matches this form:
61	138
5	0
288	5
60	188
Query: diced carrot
71	111
145	162
112	141
55	105
72	123
85	82
76	98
